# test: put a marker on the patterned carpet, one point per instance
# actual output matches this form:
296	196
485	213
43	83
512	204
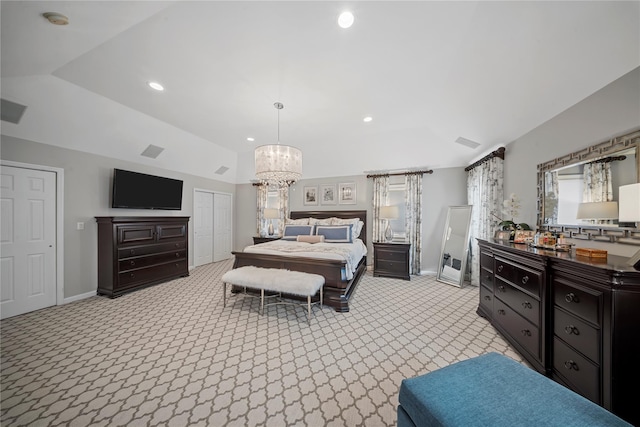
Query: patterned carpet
170	355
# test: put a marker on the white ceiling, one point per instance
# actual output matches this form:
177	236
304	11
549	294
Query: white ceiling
427	72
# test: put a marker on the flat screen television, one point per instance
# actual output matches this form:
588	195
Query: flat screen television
134	190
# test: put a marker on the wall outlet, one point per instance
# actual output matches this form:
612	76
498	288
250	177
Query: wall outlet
80	226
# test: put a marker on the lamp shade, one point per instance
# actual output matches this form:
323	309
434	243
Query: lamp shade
270	213
389	212
278	163
598	210
629	196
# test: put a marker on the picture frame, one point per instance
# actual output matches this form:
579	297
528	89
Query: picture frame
310	195
502	235
524	236
328	194
347	193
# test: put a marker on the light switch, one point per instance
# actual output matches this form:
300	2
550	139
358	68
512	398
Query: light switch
80	226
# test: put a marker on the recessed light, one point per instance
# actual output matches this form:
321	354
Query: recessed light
345	20
367	119
251	139
156	86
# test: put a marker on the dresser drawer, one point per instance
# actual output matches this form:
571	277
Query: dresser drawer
150	249
486	278
579	301
486	261
577	333
525	333
145	261
136	234
504	270
486	299
580	373
528	280
520	302
171	231
133	277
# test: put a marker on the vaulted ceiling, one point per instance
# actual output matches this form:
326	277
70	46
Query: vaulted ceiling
426	72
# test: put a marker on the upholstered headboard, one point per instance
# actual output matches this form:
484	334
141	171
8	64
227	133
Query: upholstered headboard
338	214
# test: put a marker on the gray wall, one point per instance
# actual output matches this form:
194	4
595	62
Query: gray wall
87	187
611	111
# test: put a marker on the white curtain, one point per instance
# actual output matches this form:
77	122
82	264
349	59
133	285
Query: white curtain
413	220
597	182
380	198
550	214
261	203
283	205
485	192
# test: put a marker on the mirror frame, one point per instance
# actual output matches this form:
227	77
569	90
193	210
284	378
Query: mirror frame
588	232
465	255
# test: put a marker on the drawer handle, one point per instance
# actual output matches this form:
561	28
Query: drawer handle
487	297
527	304
133	263
501	288
502	312
489	278
177	255
525	279
526	332
177	245
132	275
133	252
500	267
571	365
570	329
571	297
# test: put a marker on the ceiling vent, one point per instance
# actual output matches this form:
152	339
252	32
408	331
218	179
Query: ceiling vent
152	151
221	170
467	142
11	112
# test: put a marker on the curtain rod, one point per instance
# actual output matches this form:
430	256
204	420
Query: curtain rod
609	159
498	153
400	173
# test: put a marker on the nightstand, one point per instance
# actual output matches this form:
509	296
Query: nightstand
258	239
391	260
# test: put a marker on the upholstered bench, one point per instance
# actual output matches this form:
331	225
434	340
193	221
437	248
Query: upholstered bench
275	280
493	390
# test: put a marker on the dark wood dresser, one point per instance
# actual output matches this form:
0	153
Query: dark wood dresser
574	319
391	260
134	252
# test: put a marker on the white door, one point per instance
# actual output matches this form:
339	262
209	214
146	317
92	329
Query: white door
221	226
28	240
203	227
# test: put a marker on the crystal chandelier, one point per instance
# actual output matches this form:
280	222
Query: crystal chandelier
278	164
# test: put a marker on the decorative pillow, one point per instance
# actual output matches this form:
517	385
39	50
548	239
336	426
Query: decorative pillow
292	231
335	233
310	239
301	221
357	225
320	221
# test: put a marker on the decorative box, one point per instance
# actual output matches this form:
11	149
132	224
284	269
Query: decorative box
591	253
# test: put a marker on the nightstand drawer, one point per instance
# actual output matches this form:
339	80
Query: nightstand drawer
391	255
391	260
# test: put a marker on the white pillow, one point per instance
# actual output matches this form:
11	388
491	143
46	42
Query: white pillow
301	221
320	221
357	225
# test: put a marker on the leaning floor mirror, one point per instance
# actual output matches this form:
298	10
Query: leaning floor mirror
455	246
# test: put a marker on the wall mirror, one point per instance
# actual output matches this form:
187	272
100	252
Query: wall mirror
455	246
561	183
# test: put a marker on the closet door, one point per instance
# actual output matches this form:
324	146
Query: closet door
203	228
222	226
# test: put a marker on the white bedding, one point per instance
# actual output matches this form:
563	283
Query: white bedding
352	253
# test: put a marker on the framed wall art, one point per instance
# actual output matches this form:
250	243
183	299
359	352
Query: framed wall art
347	193
328	194
310	195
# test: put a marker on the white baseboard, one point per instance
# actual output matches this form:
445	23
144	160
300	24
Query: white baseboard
79	297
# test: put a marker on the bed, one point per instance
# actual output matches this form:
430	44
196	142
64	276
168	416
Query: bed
340	284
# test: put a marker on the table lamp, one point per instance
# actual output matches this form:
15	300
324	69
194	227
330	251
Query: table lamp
271	214
387	213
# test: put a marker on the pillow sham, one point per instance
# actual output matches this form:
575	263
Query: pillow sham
310	239
301	221
336	233
356	222
292	231
320	221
